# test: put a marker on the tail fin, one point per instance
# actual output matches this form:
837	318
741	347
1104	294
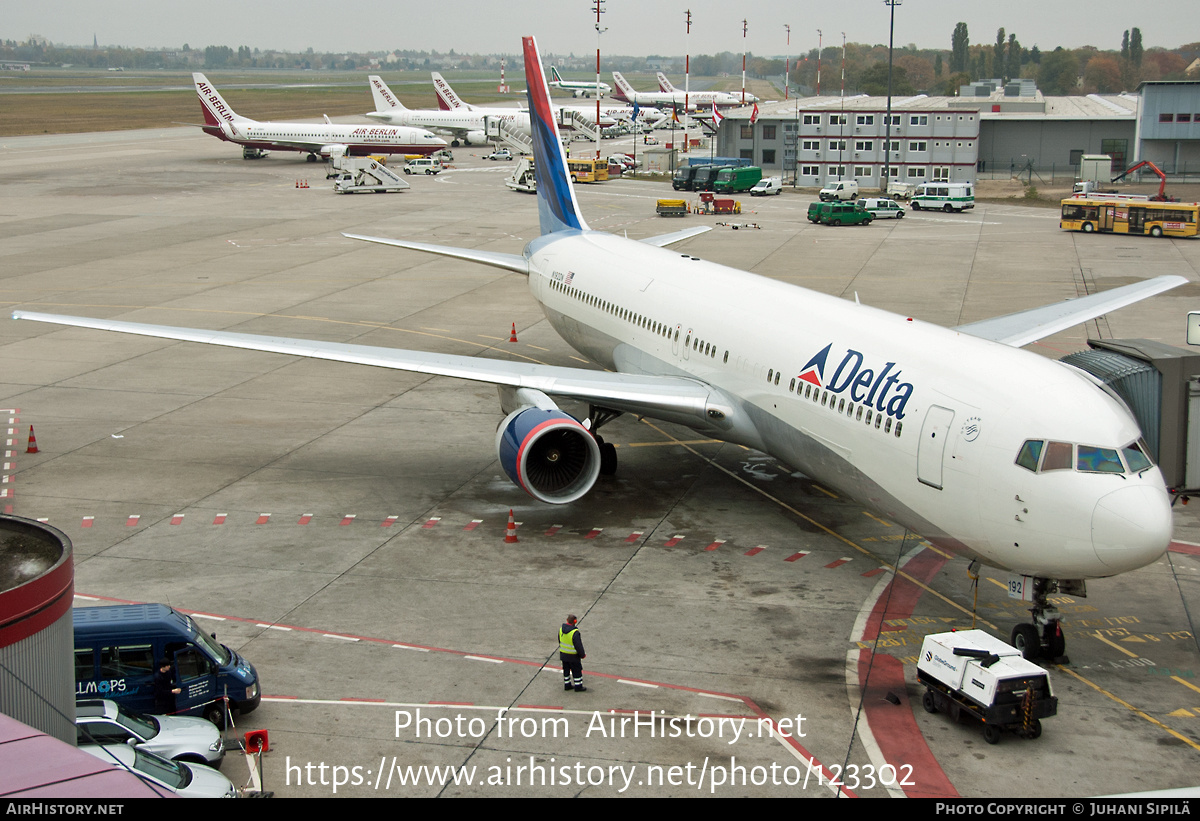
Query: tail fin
554	76
624	89
385	100
216	110
665	84
447	99
557	208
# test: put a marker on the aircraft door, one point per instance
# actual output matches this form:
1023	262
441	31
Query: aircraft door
675	340
687	344
931	448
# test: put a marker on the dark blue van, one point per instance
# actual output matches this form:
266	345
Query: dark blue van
117	650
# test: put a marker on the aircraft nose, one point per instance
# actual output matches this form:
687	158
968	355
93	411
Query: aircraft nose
1131	527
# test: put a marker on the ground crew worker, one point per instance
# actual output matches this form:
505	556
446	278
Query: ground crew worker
570	653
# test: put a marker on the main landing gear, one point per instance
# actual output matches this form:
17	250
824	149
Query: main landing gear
608	452
1044	637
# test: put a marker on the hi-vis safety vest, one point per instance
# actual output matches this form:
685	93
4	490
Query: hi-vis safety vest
566	641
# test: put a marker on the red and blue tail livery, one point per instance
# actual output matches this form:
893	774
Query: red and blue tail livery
557	208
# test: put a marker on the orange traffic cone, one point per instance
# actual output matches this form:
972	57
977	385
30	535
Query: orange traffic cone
510	535
33	448
513	336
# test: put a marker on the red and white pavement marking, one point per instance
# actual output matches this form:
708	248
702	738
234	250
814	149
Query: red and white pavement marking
797	556
754	551
348	519
751	710
219	519
837	563
432	522
305	519
474	523
716	543
177	519
674	540
263	518
389	521
634	536
550	531
594	532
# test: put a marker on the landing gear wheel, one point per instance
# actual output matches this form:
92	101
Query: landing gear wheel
608	458
929	702
1025	638
312	158
991	733
1055	642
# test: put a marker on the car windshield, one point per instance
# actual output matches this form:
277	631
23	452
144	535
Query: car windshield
174	775
215	650
143	726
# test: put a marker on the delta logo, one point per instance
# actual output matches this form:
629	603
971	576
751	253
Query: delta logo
881	389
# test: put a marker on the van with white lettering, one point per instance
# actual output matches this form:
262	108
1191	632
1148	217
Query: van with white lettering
117	650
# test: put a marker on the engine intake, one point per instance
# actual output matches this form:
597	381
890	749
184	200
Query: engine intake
548	454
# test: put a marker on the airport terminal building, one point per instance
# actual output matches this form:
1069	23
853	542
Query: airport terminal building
989	129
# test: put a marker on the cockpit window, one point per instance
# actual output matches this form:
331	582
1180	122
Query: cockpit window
1058	456
1030	452
1098	460
1135	456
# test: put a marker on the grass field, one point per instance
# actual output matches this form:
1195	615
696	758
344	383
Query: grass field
39	102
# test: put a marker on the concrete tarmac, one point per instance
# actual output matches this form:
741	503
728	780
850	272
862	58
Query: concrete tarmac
343	527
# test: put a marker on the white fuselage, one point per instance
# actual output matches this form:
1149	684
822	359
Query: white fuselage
920	422
316	137
458	123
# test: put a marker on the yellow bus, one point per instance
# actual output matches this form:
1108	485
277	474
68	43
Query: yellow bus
1121	215
588	170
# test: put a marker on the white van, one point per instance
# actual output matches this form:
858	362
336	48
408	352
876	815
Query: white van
426	165
840	190
882	208
947	196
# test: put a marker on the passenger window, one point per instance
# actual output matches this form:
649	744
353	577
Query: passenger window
1098	460
899	427
133	660
85	665
1030	452
1058	456
887	426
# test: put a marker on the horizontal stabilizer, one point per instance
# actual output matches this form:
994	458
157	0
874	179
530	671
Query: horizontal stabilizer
509	262
1029	326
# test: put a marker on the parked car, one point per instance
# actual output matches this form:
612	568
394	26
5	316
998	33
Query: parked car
882	208
103	721
499	154
186	780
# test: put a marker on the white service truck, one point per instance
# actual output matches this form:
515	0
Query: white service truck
364	175
973	673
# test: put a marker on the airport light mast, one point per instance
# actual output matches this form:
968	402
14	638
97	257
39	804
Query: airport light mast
887	128
687	78
818	62
743	62
787	59
598	6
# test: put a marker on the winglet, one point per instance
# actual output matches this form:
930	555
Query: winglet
557	207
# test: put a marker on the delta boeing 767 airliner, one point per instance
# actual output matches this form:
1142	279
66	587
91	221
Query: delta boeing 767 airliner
1006	457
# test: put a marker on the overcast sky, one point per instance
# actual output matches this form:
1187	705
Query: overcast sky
562	26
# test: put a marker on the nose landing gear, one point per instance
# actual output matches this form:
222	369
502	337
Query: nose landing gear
1044	637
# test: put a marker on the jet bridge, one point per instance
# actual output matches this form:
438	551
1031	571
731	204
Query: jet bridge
1161	385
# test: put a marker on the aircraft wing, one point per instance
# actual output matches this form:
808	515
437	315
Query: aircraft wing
1029	326
663	240
510	262
672	398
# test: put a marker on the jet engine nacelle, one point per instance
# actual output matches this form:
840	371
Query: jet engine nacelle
548	454
334	150
476	138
